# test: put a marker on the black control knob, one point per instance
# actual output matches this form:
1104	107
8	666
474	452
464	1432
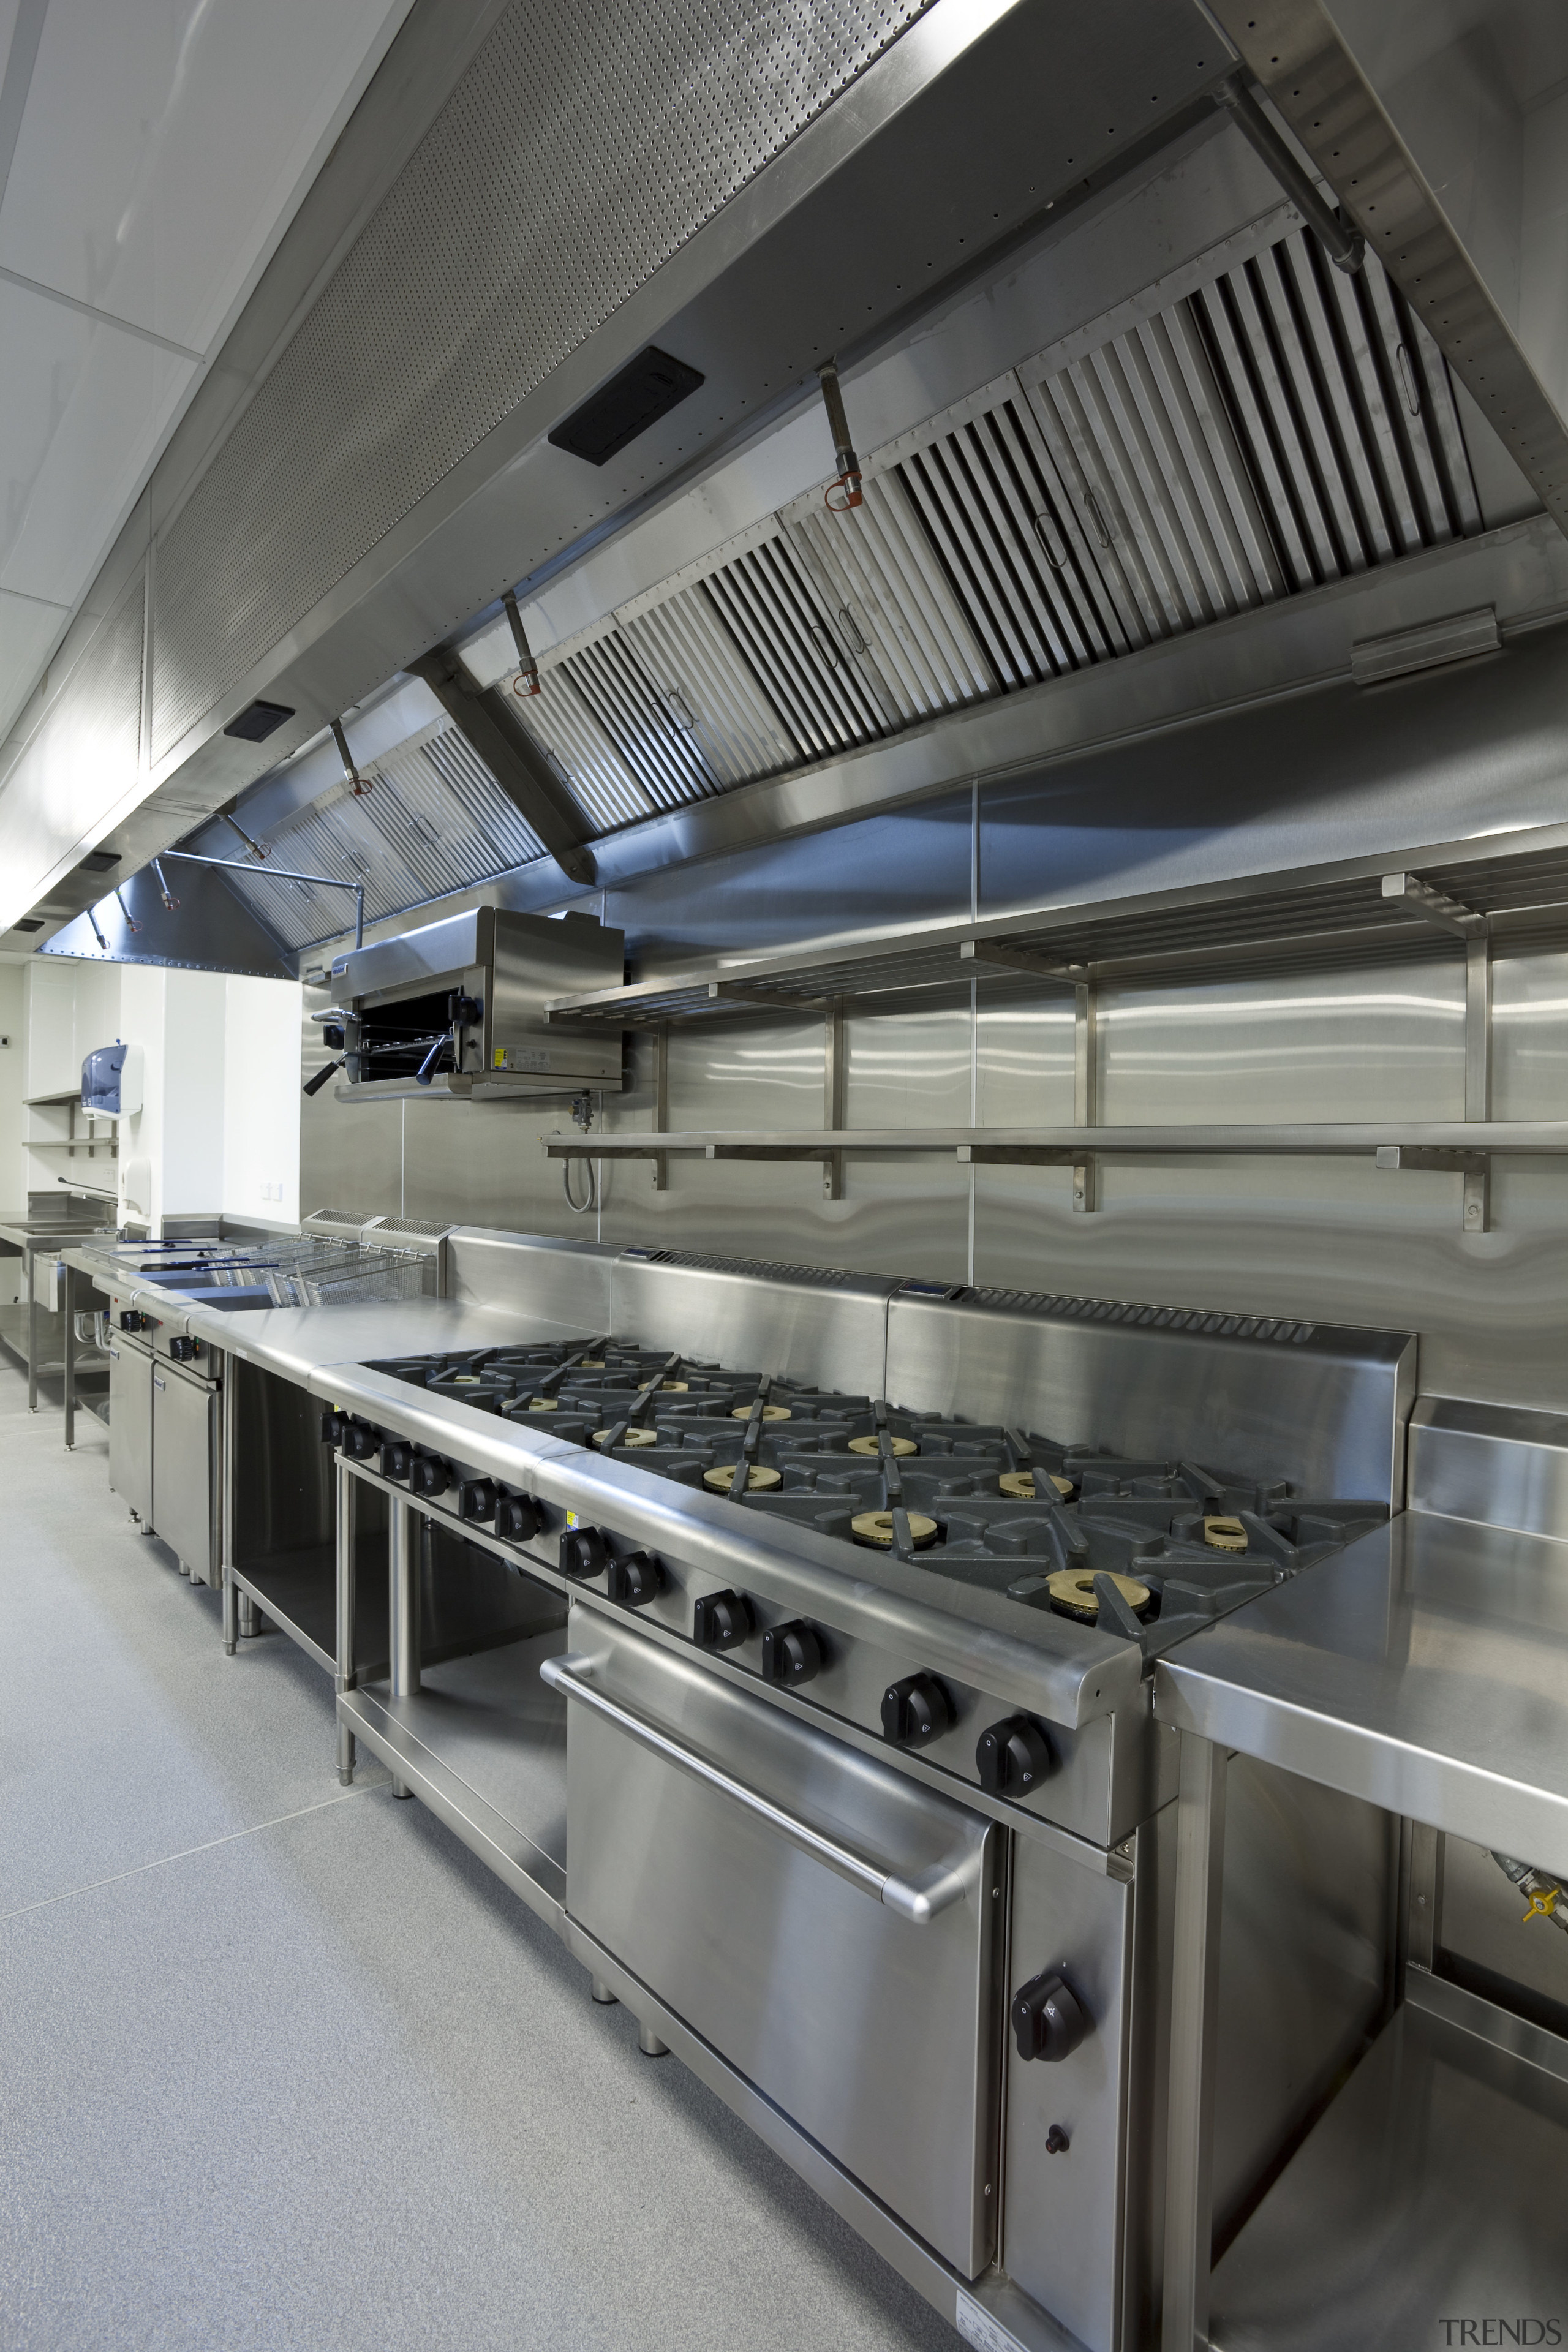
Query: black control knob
583	1552
333	1036
360	1441
721	1621
396	1458
184	1351
635	1581
476	1499
791	1653
1056	2141
131	1320
517	1517
1048	2021
430	1476
1013	1758
334	1426
915	1711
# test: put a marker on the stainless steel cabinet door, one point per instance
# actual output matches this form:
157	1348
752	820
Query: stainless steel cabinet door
185	1486
131	1424
876	2035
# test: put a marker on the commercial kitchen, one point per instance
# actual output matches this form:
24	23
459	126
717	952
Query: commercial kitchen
783	1118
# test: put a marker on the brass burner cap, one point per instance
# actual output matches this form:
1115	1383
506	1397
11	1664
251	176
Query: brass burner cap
870	1445
769	1412
630	1436
1020	1485
1073	1595
544	1404
590	1364
669	1387
877	1528
758	1476
1225	1535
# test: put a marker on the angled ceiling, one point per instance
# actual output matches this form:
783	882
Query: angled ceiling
150	155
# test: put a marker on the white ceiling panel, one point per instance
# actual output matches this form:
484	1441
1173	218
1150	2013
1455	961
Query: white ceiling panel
83	404
163	142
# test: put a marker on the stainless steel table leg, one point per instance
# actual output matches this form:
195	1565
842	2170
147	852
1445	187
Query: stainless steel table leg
67	1287
403	1546
649	2043
1194	2000
347	1496
250	1617
229	1444
602	1992
28	1257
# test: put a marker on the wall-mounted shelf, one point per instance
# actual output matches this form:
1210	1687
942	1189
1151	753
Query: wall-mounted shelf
1510	890
55	1102
1464	1148
1470	901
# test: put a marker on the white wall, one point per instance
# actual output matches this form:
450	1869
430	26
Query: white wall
13	1070
218	1131
262	1100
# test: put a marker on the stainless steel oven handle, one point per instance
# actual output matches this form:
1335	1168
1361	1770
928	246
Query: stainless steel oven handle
919	1900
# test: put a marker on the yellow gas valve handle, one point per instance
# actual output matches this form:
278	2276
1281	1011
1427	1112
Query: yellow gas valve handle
1542	1904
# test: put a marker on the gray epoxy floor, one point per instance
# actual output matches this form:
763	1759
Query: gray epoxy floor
281	2066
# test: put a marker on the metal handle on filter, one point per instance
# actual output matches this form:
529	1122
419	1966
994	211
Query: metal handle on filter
919	1900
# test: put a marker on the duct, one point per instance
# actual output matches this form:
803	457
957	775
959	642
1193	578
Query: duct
482	717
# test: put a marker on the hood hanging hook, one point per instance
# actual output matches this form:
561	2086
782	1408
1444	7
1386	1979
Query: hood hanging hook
527	680
361	784
847	484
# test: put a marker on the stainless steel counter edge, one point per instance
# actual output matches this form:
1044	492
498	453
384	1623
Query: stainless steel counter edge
1090	1676
1417	1783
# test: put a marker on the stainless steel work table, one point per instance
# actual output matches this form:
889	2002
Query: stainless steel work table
1425	1669
29	1237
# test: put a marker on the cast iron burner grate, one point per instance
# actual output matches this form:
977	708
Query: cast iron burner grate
1144	1548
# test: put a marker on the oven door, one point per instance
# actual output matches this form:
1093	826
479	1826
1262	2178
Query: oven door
827	1924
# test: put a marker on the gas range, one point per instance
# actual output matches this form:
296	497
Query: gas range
1145	1548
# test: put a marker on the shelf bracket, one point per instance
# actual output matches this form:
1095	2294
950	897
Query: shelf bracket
1435	906
1085	1085
1474	1166
985	957
661	1102
835	1072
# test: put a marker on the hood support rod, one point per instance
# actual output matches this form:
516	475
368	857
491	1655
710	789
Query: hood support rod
281	873
1345	246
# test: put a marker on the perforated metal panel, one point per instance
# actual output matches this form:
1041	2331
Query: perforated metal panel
94	731
579	150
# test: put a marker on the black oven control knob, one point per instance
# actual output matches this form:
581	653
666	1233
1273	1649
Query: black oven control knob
431	1476
130	1321
1048	2020
185	1352
334	1428
791	1653
583	1552
396	1458
360	1441
915	1711
1013	1758
517	1517
476	1499
721	1621
635	1581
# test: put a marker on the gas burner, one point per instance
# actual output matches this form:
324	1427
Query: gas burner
1141	1547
